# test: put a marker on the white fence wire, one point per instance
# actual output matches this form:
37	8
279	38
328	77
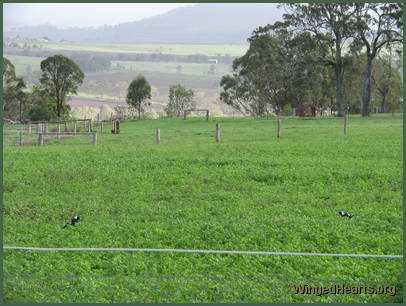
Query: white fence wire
204	251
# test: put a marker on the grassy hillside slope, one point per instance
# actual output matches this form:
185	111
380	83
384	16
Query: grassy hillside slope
252	192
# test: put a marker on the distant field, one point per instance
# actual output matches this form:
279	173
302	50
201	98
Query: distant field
22	62
210	50
113	84
251	192
194	69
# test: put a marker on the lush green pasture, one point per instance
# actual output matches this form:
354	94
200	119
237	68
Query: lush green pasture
210	50
251	192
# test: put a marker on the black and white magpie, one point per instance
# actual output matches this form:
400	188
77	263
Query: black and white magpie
344	214
74	220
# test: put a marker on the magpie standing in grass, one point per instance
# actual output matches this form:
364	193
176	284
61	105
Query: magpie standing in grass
344	214
74	220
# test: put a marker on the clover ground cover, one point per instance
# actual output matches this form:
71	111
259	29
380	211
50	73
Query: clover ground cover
252	192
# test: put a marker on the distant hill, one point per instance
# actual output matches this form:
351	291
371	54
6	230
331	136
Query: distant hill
207	23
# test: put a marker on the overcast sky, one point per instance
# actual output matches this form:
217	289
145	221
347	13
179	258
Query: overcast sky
80	14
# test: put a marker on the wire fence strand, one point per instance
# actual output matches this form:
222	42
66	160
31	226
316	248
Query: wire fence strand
203	251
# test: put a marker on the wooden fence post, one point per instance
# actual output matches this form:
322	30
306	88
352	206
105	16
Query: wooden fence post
278	127
218	132
345	124
207	115
158	135
89	125
66	126
40	139
101	127
21	138
184	115
59	130
94	138
29	127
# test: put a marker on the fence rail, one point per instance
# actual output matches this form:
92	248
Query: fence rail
203	251
41	136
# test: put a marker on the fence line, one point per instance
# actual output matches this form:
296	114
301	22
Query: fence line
41	135
203	251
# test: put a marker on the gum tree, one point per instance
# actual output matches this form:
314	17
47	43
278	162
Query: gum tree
60	76
138	92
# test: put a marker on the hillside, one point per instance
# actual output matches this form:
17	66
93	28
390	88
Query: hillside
207	23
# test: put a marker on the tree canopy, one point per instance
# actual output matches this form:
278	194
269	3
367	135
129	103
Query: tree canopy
377	25
274	72
316	49
13	94
60	76
180	99
138	92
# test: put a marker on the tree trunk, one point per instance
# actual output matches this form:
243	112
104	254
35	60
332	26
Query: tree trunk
58	109
21	110
366	90
58	104
383	102
339	78
339	90
139	111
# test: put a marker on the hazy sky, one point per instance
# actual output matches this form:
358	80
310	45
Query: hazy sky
80	14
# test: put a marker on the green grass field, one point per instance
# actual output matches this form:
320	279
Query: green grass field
210	50
22	62
251	192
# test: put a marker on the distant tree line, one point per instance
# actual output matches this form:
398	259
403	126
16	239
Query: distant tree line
91	63
61	76
337	56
